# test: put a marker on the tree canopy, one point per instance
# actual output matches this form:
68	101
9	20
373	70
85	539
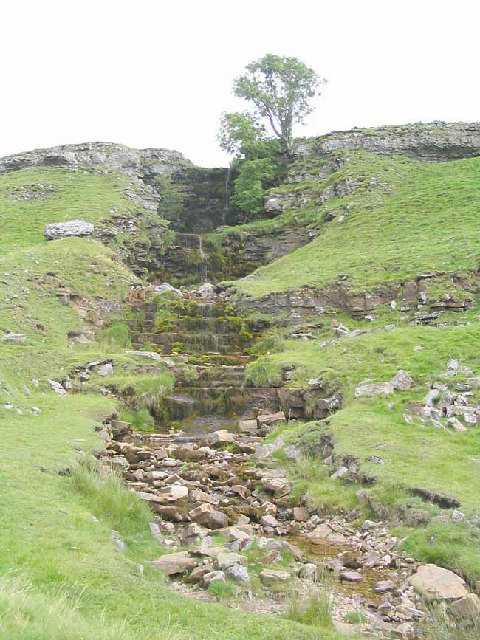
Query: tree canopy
281	90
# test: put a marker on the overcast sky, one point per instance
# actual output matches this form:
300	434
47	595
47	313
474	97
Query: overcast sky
150	73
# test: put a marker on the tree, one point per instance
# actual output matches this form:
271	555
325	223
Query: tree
240	134
281	90
249	186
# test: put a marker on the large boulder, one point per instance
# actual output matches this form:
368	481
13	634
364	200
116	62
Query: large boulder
209	517
173	563
436	583
57	230
465	608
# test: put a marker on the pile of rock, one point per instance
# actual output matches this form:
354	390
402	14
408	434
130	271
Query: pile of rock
449	403
200	488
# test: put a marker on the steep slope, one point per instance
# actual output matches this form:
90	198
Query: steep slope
389	282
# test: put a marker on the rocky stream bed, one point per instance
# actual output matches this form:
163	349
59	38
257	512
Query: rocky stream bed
224	514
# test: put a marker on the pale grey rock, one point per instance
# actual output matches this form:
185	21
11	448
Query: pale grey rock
105	369
436	583
14	337
166	288
402	381
380	388
237	572
206	290
57	387
211	577
58	230
271	577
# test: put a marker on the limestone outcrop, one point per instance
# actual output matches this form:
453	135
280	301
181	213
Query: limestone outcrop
58	230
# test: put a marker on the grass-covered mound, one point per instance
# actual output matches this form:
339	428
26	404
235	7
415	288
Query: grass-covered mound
402	218
401	456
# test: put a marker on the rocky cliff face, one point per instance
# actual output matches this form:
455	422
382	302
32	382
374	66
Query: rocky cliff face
192	198
435	142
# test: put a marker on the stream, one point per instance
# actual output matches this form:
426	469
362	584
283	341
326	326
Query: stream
222	504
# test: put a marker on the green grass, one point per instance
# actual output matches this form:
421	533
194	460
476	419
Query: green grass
414	455
74	195
425	219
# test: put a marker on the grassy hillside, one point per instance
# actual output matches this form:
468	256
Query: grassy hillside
403	218
62	576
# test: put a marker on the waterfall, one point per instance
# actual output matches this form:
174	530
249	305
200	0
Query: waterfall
226	207
204	260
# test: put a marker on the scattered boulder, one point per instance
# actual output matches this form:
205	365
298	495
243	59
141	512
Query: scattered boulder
402	381
218	438
174	492
213	576
207	290
209	517
174	563
13	337
237	572
248	426
105	369
58	230
380	388
266	450
436	583
225	559
166	288
270	419
57	387
270	577
350	576
466	607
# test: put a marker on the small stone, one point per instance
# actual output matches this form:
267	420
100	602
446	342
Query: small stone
457	515
350	576
300	514
309	571
220	437
270	419
340	473
384	586
105	369
213	576
225	559
199	573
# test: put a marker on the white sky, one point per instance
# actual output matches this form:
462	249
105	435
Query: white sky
153	73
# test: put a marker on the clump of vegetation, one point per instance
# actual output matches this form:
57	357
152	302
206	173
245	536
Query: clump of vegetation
314	607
